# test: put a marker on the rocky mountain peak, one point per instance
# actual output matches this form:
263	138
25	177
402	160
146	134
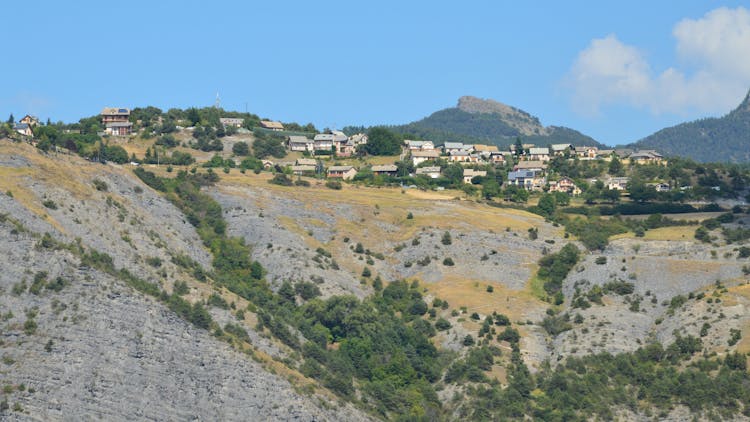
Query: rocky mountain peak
524	122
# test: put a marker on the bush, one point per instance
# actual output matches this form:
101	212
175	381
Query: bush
448	262
240	148
281	179
333	184
442	324
100	185
50	204
601	260
446	239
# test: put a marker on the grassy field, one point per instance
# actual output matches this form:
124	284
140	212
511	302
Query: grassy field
663	233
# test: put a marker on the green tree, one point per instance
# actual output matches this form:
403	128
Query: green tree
640	191
381	141
263	148
519	147
547	204
615	167
490	189
240	148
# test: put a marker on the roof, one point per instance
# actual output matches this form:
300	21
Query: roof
618	179
460	152
20	126
385	168
584	149
513	175
623	152
560	147
297	139
539	151
340	168
454	145
647	153
119	124
472	172
115	111
430	169
605	151
426	154
307	162
416	143
324	137
303	167
530	165
485	148
231	119
271	125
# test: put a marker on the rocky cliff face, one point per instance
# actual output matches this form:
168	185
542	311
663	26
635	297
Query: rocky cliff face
80	344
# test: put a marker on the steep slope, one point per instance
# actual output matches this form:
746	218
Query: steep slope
78	342
723	139
476	120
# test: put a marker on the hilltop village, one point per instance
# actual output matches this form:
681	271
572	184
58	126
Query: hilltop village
378	157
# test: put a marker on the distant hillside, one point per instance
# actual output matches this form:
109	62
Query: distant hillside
724	139
476	120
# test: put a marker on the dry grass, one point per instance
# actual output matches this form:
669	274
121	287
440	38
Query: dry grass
674	233
474	296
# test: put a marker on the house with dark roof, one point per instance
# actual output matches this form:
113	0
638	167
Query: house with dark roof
116	121
385	170
522	178
646	157
24	129
300	143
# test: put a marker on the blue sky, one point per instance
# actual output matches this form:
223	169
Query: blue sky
617	71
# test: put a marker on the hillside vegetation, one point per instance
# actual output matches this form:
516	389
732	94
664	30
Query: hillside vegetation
351	303
723	139
475	120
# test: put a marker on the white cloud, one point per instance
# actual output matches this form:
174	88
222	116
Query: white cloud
716	46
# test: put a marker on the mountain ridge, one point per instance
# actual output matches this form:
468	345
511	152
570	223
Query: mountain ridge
710	139
478	120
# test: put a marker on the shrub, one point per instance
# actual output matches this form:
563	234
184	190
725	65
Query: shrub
50	204
448	262
601	260
366	272
333	184
281	179
468	340
100	185
442	324
409	216
490	289
446	239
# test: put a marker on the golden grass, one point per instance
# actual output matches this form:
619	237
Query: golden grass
473	295
662	233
